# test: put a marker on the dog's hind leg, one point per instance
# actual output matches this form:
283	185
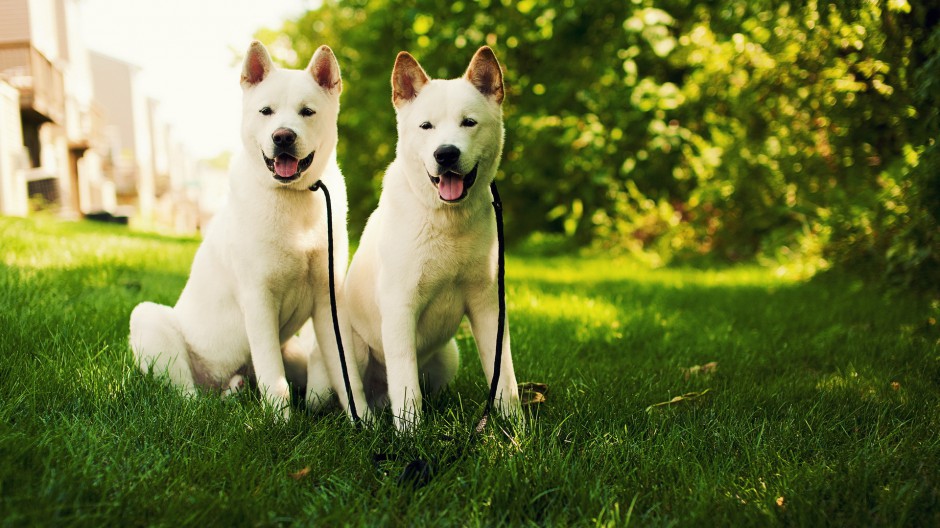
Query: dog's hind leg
441	368
159	346
235	385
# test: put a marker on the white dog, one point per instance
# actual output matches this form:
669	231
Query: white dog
261	271
428	255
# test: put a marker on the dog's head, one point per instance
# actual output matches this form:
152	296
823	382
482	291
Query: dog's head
289	116
450	132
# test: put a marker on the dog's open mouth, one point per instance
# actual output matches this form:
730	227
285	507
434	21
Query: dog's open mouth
451	186
287	168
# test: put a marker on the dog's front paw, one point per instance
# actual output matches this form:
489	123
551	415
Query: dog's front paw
406	412
277	398
284	415
367	418
280	407
407	420
510	406
406	426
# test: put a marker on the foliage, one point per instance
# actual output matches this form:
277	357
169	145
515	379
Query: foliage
802	132
791	403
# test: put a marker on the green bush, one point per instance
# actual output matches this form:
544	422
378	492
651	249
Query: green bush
802	134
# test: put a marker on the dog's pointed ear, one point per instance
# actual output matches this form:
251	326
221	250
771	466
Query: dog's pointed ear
325	70
485	74
408	78
257	64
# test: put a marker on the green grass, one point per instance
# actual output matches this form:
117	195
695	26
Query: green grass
801	424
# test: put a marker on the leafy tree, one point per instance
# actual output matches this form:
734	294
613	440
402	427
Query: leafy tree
803	133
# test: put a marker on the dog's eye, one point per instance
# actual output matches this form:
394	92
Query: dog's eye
426	125
307	112
267	111
467	122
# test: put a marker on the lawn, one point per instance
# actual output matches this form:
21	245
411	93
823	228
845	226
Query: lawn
822	405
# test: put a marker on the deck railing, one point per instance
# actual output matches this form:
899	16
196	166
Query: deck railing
40	83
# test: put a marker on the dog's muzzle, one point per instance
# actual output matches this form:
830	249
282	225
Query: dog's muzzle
452	187
287	168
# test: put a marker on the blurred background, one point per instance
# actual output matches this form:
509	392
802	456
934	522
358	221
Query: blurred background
123	111
801	135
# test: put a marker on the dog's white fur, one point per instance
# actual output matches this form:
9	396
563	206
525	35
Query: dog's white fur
261	271
424	263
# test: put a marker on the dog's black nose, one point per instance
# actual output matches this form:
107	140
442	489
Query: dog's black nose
447	155
284	137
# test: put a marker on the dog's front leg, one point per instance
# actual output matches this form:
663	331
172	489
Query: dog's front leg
483	312
399	342
326	338
261	325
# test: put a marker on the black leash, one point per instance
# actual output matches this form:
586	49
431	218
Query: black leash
501	294
418	472
339	339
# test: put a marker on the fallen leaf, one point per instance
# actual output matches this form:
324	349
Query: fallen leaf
533	385
532	393
895	385
706	369
689	396
297	475
532	398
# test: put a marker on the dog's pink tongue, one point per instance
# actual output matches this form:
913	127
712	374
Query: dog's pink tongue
285	166
450	187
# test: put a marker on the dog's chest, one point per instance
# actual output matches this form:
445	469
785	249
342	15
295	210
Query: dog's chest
440	317
449	269
295	274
